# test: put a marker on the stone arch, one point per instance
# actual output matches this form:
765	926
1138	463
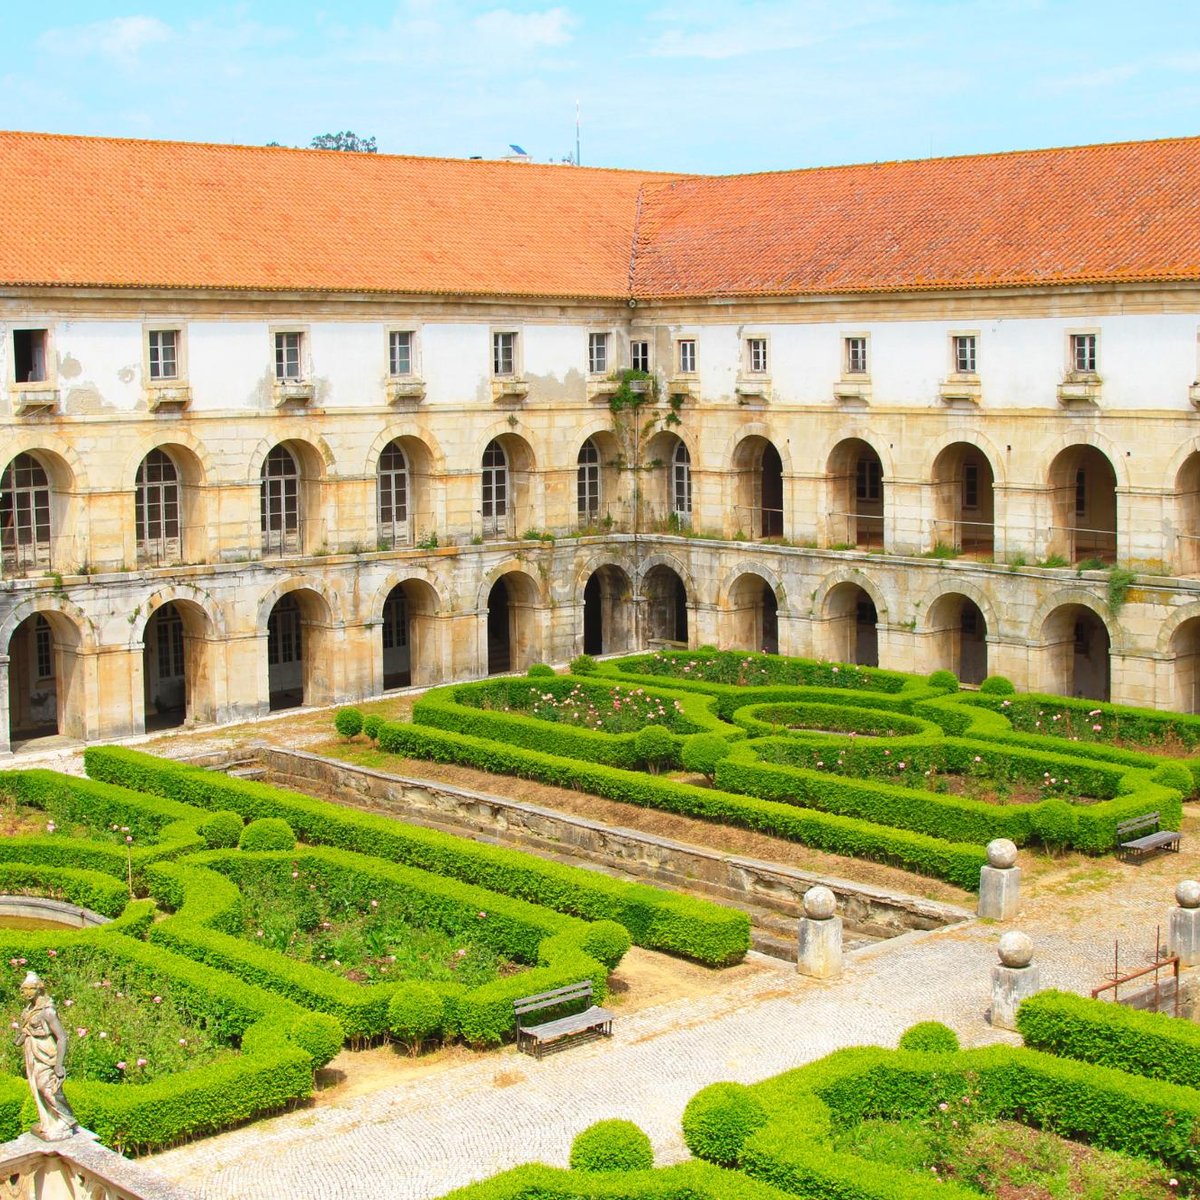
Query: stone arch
856	494
198	455
1084	437
994	454
45	642
153	546
45	489
664	558
759	429
513	603
316	456
313	583
608	610
956	628
1183	649
750	613
658	485
665	602
506	508
1186	523
406	609
1081	481
964	507
419	519
1085	599
848	609
757	474
400	430
1075	650
71	473
181	661
300	644
303	527
609	501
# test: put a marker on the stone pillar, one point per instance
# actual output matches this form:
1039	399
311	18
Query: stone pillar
1183	933
819	953
1014	979
1000	881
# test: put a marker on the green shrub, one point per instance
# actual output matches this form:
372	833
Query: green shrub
348	722
655	747
319	1035
267	833
416	1014
1176	776
222	830
371	726
607	942
583	664
931	1037
612	1145
540	671
718	1119
702	752
997	685
944	681
1055	823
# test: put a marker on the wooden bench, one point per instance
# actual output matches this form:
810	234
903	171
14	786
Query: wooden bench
535	1039
1131	846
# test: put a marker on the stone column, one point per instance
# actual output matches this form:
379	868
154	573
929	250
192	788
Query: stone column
1183	932
819	953
1014	979
999	881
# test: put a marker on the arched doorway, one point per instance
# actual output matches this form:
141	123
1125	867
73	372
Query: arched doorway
758	503
512	642
499	641
853	625
607	611
1083	487
964	509
407	633
959	633
1185	664
856	496
298	660
753	620
164	669
666	606
1077	646
25	525
1187	517
43	667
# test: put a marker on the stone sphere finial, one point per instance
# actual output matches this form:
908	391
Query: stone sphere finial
1001	853
1187	893
1015	949
819	903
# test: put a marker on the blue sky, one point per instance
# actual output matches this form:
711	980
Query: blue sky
711	85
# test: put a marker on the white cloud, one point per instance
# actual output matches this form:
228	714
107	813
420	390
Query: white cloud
120	38
508	30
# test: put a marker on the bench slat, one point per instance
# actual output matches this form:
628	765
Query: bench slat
537	1036
572	1024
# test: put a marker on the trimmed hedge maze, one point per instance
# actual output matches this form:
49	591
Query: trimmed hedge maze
788	1135
171	836
852	760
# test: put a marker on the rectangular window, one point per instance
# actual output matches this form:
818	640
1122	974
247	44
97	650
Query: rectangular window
288	348
856	356
1083	353
164	353
971	486
964	353
868	479
756	354
1081	493
400	352
44	649
687	356
29	355
504	353
597	353
639	356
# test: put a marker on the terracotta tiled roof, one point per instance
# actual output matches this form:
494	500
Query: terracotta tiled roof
110	212
1089	214
113	213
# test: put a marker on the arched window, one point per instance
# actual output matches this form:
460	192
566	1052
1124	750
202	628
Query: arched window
279	504
393	498
24	515
156	504
681	485
587	483
494	496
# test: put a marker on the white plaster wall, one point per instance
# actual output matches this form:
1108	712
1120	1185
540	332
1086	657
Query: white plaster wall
349	362
456	358
230	364
103	359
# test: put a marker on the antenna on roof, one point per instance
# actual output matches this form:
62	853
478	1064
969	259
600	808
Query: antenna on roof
578	160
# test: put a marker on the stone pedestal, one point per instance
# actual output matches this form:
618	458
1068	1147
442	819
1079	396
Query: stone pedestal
1183	931
1013	980
819	952
1000	882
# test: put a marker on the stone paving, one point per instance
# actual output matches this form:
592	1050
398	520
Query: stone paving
420	1139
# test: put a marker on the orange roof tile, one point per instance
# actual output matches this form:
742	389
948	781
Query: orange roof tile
110	212
107	212
1089	214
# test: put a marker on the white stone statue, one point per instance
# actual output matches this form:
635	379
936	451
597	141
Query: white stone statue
45	1042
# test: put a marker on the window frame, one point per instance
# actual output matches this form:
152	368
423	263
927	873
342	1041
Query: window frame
599	366
958	340
588	483
157	329
685	355
856	347
394	333
514	353
303	365
756	345
48	373
647	359
1087	340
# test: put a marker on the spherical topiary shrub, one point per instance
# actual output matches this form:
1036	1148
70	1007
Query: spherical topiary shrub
416	1014
348	722
1177	776
540	671
702	752
267	833
932	1037
945	681
221	830
996	685
655	747
584	664
1055	823
371	726
607	942
319	1035
718	1120
612	1146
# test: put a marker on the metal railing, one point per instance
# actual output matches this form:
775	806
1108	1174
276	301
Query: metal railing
498	527
760	521
1099	543
394	535
864	530
280	543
